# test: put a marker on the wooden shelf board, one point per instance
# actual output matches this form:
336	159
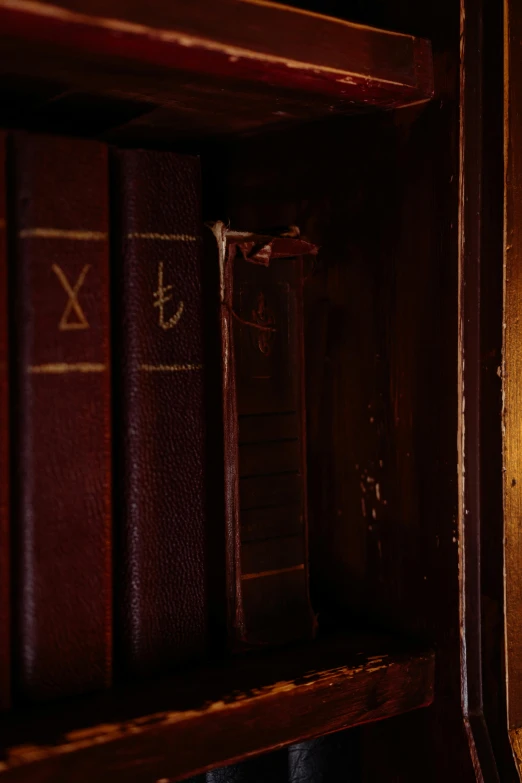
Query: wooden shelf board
214	715
201	66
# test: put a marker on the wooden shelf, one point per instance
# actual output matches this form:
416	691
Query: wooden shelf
173	69
241	707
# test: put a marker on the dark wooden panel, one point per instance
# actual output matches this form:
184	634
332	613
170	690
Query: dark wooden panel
241	707
491	336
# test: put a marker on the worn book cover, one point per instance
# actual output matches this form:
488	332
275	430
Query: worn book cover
161	594
264	436
63	569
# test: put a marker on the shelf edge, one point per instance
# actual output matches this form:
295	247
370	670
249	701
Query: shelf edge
176	744
33	21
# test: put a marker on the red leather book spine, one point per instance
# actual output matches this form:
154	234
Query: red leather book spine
265	439
63	581
162	606
5	635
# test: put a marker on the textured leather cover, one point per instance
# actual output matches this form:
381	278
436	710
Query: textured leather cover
328	759
63	580
162	575
265	443
5	636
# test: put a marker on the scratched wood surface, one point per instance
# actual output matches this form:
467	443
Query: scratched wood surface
479	384
512	370
213	716
160	71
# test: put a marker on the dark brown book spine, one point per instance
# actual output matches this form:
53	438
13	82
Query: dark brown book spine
162	606
63	581
265	441
5	635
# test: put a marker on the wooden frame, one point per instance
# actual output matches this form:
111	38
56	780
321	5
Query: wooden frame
512	372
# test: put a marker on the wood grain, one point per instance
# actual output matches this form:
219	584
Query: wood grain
240	708
512	369
206	66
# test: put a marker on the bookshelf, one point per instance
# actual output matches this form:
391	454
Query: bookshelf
351	132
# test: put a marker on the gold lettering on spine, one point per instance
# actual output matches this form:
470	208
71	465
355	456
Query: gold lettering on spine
161	300
170	367
163	237
63	233
62	368
72	304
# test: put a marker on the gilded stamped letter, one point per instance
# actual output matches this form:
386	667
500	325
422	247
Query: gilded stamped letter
73	306
161	299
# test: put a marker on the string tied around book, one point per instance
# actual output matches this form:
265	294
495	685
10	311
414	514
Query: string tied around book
262	249
250	323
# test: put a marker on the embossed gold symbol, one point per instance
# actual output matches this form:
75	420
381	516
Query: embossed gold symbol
161	299
73	306
263	317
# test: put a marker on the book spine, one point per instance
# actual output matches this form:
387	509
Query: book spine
265	443
63	449
5	635
162	604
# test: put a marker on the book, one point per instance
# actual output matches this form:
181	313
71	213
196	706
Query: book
326	759
162	570
264	436
62	476
5	621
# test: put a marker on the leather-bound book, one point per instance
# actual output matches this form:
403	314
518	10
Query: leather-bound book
264	433
63	576
328	759
5	635
161	599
